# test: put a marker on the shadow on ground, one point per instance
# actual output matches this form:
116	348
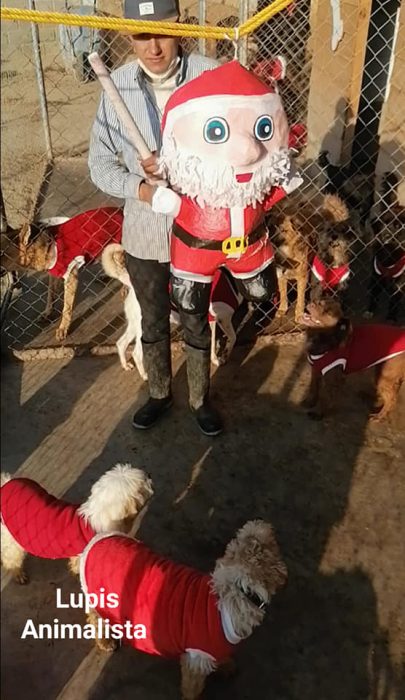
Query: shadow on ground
323	637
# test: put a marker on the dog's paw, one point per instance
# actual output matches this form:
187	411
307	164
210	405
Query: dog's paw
74	566
127	366
48	313
61	333
280	313
220	358
21	578
107	645
143	374
377	416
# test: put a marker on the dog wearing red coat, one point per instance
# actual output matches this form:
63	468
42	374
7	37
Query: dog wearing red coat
337	347
197	618
35	522
61	246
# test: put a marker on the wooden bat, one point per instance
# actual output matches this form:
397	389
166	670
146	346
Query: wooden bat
121	109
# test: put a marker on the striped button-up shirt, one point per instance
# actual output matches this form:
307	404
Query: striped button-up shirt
114	163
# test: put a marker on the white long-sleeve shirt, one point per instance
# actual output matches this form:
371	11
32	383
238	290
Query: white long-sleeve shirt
114	164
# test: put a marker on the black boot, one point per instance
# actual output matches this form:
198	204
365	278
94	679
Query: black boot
198	375
157	360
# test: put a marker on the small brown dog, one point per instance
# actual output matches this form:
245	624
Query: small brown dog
295	225
337	347
61	246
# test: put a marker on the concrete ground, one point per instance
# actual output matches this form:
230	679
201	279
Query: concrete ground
334	492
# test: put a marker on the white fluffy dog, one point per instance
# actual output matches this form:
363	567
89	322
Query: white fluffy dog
33	521
225	300
195	617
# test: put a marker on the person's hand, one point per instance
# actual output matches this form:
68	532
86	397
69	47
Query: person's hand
146	192
150	167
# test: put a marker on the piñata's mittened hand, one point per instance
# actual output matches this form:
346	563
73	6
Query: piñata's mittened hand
165	201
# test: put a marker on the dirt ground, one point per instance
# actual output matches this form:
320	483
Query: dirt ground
334	493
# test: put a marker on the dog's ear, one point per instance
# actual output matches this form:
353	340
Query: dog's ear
25	235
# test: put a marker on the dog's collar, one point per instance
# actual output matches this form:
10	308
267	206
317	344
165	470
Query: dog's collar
254	599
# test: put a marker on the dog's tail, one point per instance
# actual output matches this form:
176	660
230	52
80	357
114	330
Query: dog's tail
113	263
121	492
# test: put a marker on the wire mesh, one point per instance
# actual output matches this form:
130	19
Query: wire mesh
345	102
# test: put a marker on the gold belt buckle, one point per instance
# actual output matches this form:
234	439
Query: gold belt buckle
235	245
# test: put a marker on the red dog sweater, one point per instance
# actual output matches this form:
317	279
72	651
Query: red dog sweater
81	240
391	271
368	346
329	277
42	525
175	603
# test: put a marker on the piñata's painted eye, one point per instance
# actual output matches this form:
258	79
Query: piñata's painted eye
216	130
264	128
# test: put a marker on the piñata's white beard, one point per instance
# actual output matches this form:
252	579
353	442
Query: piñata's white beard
215	184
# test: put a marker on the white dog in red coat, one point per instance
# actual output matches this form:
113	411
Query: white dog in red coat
225	300
171	610
35	522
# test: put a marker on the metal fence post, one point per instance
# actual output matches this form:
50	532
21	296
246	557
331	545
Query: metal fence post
41	84
201	22
3	217
242	44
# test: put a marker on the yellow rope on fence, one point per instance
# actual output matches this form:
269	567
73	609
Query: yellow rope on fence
263	16
146	27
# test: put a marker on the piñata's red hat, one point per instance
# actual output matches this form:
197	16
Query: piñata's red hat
230	79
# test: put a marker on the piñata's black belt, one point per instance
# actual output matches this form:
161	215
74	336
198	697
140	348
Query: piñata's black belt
231	245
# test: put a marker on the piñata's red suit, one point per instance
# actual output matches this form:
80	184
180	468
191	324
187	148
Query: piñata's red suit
175	603
214	226
81	239
367	346
225	153
43	525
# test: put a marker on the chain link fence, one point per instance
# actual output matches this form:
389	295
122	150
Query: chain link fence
343	91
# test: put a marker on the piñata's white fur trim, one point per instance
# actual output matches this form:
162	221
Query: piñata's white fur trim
214	184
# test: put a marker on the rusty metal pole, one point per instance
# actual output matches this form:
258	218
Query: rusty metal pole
39	72
3	218
202	15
